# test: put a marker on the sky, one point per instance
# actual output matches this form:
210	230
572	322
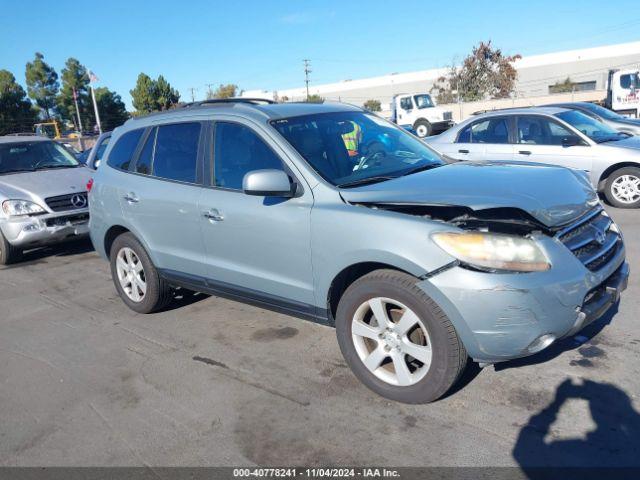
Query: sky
261	44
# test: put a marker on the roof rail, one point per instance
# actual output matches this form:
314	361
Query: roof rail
213	101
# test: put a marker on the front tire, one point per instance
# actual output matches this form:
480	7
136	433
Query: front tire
422	128
397	340
136	278
622	188
8	253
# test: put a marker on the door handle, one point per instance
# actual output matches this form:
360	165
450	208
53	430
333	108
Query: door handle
131	198
463	151
524	152
213	215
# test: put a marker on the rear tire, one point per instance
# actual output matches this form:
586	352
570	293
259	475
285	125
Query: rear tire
622	188
430	331
422	128
8	253
136	278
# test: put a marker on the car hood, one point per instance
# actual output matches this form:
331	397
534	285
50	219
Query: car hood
632	143
628	121
552	195
44	183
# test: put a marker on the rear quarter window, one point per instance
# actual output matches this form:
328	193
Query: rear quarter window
122	152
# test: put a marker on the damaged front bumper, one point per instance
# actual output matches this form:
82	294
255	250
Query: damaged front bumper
40	230
501	316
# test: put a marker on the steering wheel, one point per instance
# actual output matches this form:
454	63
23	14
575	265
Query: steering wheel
364	161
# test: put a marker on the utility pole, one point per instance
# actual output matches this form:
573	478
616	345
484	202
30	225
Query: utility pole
193	93
307	71
209	91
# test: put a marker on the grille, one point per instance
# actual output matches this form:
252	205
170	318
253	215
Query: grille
593	240
447	116
63	203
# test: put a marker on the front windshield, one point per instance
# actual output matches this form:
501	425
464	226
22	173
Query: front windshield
592	128
423	101
355	148
31	156
602	112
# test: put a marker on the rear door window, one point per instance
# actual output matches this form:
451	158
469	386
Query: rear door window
122	152
176	152
491	130
143	165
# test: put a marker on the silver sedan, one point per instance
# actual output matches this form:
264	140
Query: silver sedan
551	135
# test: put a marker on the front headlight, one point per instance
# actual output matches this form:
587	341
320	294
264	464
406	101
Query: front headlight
21	207
494	251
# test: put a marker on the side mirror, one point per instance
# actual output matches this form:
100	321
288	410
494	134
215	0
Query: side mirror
570	141
268	183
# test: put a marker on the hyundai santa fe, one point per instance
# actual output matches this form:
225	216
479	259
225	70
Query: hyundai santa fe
331	213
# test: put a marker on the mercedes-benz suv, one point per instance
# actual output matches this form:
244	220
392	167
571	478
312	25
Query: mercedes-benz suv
331	213
42	194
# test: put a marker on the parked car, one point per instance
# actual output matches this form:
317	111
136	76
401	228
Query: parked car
556	136
416	263
613	119
95	154
42	193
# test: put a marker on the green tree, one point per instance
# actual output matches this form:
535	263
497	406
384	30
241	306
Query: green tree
16	112
150	95
223	91
42	84
485	73
565	86
373	105
166	96
144	94
315	98
113	112
75	78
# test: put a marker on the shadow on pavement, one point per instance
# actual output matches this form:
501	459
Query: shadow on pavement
183	297
39	255
615	442
566	344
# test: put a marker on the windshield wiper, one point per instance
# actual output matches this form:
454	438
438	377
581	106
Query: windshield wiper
46	167
365	181
421	168
18	170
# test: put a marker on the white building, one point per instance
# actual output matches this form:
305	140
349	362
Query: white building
587	68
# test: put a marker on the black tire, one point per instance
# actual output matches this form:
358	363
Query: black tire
449	355
8	253
608	192
428	128
158	294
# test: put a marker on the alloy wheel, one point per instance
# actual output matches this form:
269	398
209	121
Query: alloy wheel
626	189
131	274
391	341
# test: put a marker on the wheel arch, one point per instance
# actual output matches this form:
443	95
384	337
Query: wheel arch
349	274
114	231
609	170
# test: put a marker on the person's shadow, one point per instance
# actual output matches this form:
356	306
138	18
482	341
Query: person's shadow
615	442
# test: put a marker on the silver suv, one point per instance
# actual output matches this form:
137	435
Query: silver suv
331	213
42	193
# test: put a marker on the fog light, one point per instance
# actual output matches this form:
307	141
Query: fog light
32	227
541	343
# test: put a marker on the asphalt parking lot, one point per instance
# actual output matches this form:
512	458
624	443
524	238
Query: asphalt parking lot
84	381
